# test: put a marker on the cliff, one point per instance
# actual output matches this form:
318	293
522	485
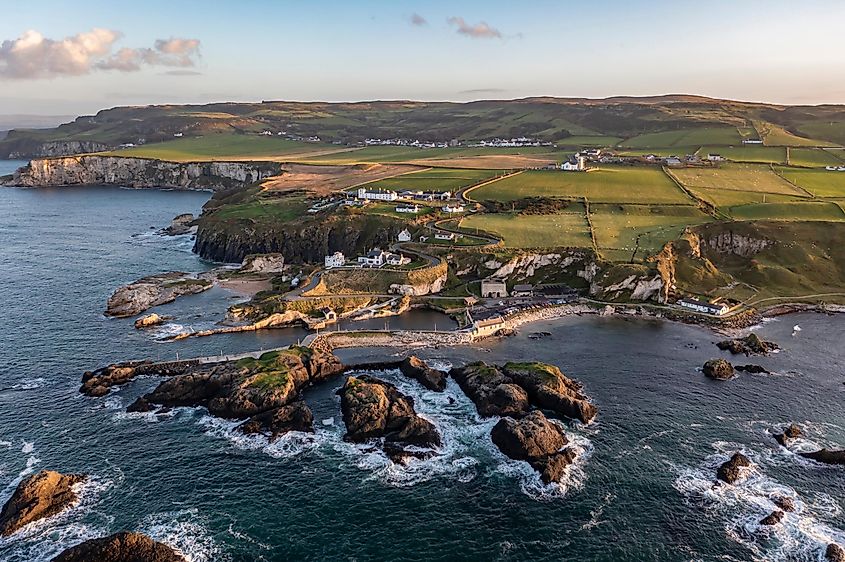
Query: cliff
16	147
140	172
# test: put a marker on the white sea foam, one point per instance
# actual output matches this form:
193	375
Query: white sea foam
185	531
28	383
288	445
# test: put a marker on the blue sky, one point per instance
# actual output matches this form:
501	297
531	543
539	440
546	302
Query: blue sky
762	50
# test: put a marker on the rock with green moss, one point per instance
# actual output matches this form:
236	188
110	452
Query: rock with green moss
549	388
751	344
417	369
718	369
492	391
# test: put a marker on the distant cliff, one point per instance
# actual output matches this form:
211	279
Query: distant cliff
22	148
140	172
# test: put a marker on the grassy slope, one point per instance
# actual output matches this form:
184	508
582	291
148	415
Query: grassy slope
223	146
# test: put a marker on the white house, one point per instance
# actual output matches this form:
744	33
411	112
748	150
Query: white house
444	236
377	194
413	209
752	141
574	164
488	327
717	309
177	135
404	236
396	259
835	168
715	157
456	208
337	259
374	258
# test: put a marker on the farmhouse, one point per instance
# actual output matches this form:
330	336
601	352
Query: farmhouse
523	291
337	259
433	195
377	194
444	236
702	306
413	209
835	168
404	236
483	328
396	259
752	141
713	157
574	164
673	161
493	288
374	258
456	208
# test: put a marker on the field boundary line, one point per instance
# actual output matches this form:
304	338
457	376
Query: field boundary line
590	226
708	209
784	178
465	193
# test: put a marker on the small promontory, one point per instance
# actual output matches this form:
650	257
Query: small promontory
39	496
120	547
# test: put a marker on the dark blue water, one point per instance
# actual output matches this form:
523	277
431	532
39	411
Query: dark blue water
641	491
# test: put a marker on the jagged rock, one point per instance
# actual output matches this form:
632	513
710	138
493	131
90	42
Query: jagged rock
373	408
834	553
792	431
38	496
731	470
493	393
418	370
120	547
100	381
753	369
784	503
549	388
153	290
140	405
773	518
536	440
719	369
151	320
263	263
181	224
826	456
293	417
750	344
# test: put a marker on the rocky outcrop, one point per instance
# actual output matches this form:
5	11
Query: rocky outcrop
39	496
784	503
153	290
792	431
278	421
751	344
100	381
773	518
25	148
151	320
263	263
826	456
415	368
510	390
753	369
536	440
141	172
181	224
834	553
120	547
373	408
732	470
719	369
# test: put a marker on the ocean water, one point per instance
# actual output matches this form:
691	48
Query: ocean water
642	488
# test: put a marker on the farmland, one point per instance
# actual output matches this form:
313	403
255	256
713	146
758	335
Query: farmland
813	158
434	179
819	182
736	177
754	153
568	229
610	184
686	138
795	211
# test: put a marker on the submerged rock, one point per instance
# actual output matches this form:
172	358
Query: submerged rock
730	471
373	408
826	456
536	440
120	547
749	345
151	320
784	503
415	368
792	431
492	392
181	224
753	369
153	290
39	496
834	553
773	518
719	369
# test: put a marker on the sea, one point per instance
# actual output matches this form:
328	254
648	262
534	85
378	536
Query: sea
643	487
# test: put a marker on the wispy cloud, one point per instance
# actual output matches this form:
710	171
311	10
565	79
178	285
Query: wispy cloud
33	56
484	91
480	30
181	73
418	20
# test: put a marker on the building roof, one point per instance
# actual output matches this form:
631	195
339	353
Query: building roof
701	303
489	322
524	287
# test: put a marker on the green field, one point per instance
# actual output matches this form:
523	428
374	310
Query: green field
732	198
620	227
588	140
798	211
223	146
534	231
389	209
812	158
754	153
819	182
434	179
282	210
611	184
774	135
686	138
736	177
387	154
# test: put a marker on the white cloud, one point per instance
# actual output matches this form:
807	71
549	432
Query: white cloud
34	56
478	31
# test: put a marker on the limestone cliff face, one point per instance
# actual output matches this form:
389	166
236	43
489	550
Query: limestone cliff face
140	172
55	148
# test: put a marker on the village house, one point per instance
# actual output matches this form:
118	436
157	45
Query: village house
444	236
337	259
523	291
488	327
493	288
404	236
413	209
752	141
835	168
377	194
716	309
396	259
673	161
715	157
374	258
456	208
329	315
574	164
433	195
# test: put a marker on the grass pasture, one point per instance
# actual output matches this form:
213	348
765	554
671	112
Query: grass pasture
610	184
736	177
225	146
278	209
774	135
534	231
588	140
731	198
686	137
819	182
387	154
753	153
812	158
435	179
795	211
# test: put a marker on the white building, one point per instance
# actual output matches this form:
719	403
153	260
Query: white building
396	259
715	157
444	236
493	288
337	259
574	164
374	258
404	236
835	168
413	209
377	194
717	309
752	141
456	208
488	327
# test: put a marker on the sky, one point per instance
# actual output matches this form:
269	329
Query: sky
62	58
